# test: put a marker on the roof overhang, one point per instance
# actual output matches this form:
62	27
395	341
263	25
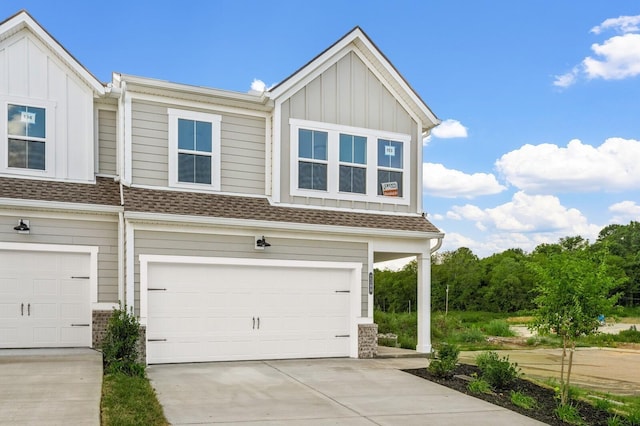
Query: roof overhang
22	20
356	39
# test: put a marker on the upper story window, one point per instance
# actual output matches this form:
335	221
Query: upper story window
26	137
353	164
194	149
312	167
349	163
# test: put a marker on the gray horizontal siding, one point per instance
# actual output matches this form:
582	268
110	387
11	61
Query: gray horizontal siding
107	142
349	94
149	144
206	245
103	234
242	149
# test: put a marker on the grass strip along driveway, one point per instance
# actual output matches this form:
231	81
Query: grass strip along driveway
128	400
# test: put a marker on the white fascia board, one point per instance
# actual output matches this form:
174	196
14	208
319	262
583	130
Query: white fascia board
24	20
398	78
259	100
265	224
182	103
57	205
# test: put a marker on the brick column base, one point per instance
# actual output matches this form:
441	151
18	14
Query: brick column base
367	340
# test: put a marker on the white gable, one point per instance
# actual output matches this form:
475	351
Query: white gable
37	73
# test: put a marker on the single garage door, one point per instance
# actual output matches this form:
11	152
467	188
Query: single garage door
218	312
44	299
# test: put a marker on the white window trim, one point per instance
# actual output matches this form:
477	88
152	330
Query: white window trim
49	140
215	120
333	157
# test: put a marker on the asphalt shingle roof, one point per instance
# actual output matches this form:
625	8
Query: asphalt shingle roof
238	207
106	192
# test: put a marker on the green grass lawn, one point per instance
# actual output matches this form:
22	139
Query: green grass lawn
128	400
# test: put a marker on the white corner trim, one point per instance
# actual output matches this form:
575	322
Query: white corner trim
59	248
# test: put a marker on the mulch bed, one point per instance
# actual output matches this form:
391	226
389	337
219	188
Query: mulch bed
547	403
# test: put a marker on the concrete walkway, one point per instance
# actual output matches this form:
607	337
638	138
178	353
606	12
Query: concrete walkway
50	386
316	392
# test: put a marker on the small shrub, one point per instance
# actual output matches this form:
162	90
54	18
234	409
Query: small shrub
120	344
632	335
499	372
523	401
615	421
446	359
472	335
498	328
602	404
568	413
634	417
479	386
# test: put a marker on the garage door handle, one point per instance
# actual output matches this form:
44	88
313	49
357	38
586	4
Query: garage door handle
156	340
258	323
79	325
29	309
343	291
80	278
343	335
22	309
254	323
156	289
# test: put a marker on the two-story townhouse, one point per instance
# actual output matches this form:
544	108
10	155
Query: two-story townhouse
238	225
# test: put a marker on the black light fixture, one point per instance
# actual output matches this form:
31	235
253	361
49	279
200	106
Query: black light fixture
261	243
22	226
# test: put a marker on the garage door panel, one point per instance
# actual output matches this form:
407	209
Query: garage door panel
298	310
43	299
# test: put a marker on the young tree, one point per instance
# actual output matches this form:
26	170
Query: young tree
573	289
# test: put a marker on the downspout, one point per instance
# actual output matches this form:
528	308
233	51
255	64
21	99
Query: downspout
437	247
121	247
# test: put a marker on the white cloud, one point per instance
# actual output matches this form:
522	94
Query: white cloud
450	129
566	80
524	222
613	166
616	58
448	183
625	211
258	87
620	58
623	24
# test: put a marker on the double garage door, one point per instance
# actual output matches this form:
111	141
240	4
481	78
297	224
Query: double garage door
44	299
222	312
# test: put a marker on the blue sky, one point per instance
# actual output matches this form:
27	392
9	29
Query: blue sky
540	100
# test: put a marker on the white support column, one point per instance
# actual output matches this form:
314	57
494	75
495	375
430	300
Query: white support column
424	303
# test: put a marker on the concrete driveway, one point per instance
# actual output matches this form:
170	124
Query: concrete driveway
50	386
316	392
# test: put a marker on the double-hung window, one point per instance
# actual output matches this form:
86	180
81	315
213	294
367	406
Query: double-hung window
353	164
194	149
26	137
390	167
312	165
349	163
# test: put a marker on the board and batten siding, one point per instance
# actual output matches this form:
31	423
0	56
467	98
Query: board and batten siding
32	75
107	142
234	246
74	231
242	149
349	94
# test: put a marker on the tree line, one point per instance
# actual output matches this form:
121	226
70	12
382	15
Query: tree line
506	281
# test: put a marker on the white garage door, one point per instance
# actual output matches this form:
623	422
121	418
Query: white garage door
205	312
44	299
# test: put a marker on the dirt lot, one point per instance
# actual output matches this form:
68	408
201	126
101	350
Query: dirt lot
604	369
